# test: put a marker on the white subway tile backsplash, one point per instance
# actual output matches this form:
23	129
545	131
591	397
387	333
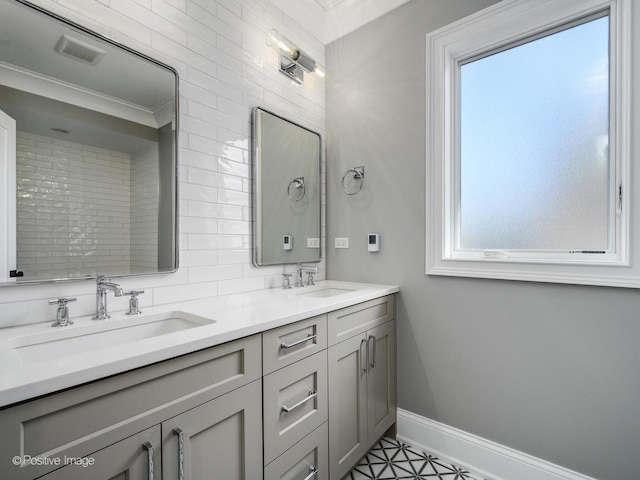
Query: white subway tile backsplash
217	272
227	287
225	70
179	293
199	258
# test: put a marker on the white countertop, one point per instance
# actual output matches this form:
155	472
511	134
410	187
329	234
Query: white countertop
235	316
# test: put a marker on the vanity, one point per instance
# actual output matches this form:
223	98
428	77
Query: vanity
289	384
276	384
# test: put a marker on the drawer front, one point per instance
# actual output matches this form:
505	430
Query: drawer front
290	343
351	321
295	403
306	460
85	419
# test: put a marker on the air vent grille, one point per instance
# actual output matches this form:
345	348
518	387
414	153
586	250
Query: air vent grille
79	50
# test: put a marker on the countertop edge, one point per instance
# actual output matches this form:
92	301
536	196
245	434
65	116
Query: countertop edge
33	382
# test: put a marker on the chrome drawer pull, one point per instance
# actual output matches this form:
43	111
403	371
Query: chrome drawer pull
364	356
313	471
149	448
299	342
372	360
178	431
312	394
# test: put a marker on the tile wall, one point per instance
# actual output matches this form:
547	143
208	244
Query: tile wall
73	208
225	70
145	186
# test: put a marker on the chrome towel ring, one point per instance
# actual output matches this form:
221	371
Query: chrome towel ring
298	183
358	174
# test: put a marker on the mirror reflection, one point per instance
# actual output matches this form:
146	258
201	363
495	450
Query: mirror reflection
93	163
286	182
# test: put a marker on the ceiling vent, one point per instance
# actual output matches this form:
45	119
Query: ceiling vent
79	50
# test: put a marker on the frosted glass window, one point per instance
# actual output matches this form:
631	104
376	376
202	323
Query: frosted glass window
534	167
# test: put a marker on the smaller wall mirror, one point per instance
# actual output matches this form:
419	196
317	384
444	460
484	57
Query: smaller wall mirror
286	191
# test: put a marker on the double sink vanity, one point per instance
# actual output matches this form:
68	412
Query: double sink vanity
289	384
274	384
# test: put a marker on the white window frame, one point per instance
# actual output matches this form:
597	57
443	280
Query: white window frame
505	23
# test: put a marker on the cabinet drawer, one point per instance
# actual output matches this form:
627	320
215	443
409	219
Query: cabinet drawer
85	419
303	459
350	321
295	403
290	343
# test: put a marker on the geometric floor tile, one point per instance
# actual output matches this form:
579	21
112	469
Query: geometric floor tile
392	460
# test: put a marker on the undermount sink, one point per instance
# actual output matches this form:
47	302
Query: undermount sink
60	342
326	292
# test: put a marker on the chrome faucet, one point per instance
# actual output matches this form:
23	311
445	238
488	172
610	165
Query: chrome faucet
62	313
310	272
101	297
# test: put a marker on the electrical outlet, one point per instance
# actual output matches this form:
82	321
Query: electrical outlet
313	243
342	242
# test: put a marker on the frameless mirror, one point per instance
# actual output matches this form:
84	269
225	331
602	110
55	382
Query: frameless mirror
286	191
88	153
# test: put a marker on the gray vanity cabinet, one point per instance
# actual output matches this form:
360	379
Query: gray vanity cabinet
304	401
220	439
362	390
208	391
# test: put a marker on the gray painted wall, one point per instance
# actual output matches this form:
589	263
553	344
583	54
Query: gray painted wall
550	370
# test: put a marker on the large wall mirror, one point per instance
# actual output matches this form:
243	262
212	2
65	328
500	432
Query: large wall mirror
286	191
88	149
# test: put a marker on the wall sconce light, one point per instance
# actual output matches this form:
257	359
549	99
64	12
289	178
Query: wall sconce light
293	61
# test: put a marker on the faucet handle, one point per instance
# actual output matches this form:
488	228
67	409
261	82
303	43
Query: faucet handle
287	281
62	314
134	293
310	278
134	306
62	301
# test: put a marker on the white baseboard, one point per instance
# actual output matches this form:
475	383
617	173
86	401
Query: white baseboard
483	457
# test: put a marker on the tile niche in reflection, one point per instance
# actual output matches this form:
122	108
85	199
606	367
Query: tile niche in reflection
84	209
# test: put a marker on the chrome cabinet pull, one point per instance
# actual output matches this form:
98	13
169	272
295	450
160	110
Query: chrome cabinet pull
312	394
149	448
363	370
313	471
299	342
178	431
372	360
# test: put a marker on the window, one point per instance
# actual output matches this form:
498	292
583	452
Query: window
528	144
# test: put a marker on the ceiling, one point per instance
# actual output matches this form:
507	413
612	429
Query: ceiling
328	20
329	4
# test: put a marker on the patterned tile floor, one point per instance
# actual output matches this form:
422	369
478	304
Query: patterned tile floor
390	459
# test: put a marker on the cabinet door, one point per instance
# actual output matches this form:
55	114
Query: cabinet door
347	405
221	439
381	385
127	459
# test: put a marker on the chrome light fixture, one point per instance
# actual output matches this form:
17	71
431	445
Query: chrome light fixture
293	61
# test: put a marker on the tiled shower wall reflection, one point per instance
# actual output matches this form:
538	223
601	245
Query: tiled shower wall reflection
73	208
145	176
